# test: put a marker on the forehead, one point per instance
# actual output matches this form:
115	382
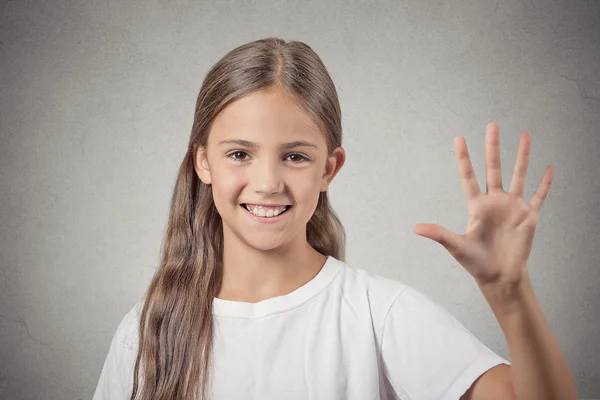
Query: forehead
264	116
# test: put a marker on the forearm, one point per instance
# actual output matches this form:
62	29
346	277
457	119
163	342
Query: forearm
539	369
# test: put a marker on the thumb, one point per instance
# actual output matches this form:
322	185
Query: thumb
450	240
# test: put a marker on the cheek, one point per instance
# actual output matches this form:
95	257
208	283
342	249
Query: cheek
228	185
307	187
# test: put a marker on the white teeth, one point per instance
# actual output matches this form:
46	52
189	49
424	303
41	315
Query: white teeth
261	212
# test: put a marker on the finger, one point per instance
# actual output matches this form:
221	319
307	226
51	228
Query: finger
493	172
537	201
450	240
466	173
517	185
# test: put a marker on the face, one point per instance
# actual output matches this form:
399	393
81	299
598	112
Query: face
264	153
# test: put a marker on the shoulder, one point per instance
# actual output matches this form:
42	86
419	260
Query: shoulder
130	321
126	335
115	380
394	296
380	287
359	284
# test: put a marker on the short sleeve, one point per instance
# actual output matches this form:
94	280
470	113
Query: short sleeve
427	353
116	378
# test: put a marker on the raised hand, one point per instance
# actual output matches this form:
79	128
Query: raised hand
501	226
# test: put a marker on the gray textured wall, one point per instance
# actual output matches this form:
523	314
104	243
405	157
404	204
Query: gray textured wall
96	105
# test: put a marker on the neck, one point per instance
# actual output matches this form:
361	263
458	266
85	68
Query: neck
252	275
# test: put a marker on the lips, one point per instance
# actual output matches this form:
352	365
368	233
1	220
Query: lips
266	206
266	209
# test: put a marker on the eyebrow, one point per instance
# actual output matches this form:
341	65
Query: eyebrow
290	145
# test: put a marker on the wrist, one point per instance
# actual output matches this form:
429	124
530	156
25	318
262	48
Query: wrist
508	298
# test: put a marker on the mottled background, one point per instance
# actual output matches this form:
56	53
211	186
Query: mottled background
96	106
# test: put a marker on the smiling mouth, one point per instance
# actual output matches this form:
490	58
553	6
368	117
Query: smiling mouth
245	207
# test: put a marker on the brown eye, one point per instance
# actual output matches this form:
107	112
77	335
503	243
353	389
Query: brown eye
298	158
235	156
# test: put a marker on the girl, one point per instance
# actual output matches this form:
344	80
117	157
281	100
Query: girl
252	299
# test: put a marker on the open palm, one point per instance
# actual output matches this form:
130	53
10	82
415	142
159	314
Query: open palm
497	242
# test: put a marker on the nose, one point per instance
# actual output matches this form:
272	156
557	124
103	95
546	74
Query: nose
267	177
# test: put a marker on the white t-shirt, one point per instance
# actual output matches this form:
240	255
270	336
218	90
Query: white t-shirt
346	334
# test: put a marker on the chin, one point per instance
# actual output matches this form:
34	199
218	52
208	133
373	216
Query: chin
265	243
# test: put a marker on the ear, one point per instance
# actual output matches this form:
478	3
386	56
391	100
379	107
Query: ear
201	164
332	167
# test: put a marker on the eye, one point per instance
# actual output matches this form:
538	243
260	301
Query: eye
299	158
237	153
239	156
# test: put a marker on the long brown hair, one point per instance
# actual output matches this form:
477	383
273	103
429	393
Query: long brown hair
174	356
